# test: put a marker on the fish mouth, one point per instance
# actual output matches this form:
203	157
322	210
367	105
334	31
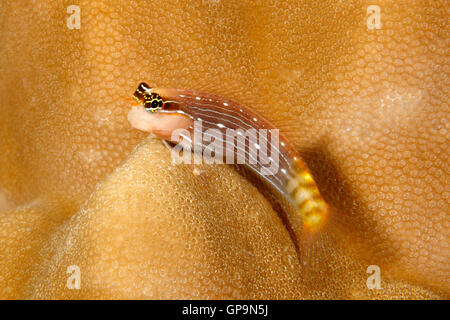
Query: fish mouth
133	102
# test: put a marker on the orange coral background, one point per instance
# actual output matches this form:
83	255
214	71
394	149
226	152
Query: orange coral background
367	109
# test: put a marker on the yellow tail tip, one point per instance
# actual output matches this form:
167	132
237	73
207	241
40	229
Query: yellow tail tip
315	219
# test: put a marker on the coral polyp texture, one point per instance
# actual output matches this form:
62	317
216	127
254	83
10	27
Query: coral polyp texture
366	108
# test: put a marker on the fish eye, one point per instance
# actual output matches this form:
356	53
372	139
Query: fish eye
153	105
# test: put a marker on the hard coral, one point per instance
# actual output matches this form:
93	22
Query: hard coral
366	108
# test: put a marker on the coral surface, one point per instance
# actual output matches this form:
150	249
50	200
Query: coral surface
366	108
